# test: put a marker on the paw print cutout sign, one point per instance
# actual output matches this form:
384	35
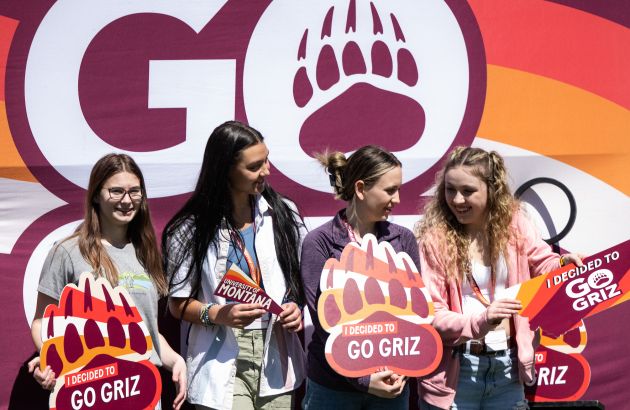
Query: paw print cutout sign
378	312
563	373
99	348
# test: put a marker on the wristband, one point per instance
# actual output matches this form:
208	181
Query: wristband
204	315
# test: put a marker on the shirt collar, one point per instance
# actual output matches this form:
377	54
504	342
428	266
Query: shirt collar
385	231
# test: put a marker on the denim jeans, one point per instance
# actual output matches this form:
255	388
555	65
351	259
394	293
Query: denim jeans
487	383
319	397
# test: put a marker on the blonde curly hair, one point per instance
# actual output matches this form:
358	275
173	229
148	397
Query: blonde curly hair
443	228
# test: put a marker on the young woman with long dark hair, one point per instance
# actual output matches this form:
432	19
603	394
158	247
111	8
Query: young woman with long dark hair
116	240
369	182
239	356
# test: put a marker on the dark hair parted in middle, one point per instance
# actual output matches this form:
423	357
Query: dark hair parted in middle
366	164
210	205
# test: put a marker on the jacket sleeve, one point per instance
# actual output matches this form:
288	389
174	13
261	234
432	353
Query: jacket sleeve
410	247
540	258
314	256
453	326
315	253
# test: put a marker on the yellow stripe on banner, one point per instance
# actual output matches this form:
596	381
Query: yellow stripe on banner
560	121
11	164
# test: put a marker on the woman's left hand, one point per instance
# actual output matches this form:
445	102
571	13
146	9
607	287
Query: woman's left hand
181	385
291	317
574	258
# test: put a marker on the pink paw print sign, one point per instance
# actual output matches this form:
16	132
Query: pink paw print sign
99	348
378	313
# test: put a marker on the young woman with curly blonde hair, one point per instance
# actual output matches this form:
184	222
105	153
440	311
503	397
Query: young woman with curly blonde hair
474	241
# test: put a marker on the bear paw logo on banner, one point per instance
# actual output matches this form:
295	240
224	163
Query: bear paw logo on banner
345	77
99	348
378	312
563	373
341	74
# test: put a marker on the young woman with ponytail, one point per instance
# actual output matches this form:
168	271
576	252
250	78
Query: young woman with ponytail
239	356
475	240
369	182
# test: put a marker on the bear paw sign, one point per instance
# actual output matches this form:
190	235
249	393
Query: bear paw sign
99	348
378	312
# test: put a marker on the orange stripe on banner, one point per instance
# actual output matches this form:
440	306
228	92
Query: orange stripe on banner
7	30
538	294
558	42
560	121
11	164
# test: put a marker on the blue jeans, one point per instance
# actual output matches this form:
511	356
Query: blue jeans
319	397
487	383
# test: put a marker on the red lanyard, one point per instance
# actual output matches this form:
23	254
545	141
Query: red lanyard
353	237
476	290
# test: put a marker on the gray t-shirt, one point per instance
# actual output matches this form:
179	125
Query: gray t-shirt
65	264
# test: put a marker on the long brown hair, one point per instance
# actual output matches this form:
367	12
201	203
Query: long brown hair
140	230
442	226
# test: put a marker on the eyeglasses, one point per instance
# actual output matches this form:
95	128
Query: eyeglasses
117	193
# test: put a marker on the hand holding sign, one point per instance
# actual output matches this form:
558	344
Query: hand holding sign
563	372
557	301
236	285
98	346
378	313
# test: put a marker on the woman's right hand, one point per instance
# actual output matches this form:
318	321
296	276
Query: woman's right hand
46	378
502	309
238	314
386	384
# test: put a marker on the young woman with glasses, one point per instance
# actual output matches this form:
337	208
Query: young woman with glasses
116	240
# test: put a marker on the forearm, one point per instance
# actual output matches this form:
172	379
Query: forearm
168	356
231	314
455	328
36	333
190	310
43	300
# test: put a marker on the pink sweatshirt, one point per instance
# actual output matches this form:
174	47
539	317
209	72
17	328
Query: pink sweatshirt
527	256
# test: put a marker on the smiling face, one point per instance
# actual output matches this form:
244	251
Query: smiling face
466	196
248	174
376	202
117	212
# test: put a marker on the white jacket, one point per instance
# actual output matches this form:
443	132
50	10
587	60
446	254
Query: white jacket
212	351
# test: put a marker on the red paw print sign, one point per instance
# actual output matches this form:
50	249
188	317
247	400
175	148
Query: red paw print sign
98	346
378	312
563	373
